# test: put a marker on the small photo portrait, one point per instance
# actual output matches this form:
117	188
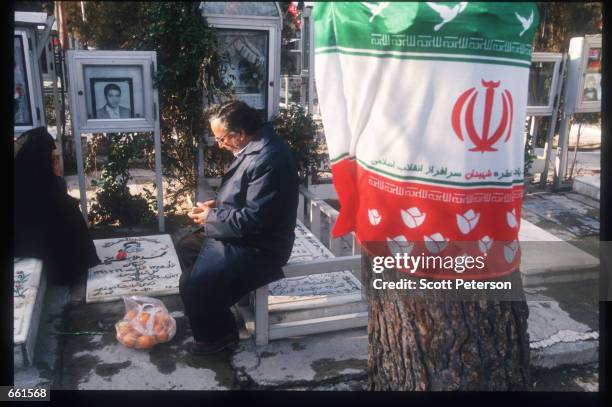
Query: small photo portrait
114	92
592	87
112	98
594	60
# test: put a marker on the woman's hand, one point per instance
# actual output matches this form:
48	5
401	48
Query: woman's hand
57	169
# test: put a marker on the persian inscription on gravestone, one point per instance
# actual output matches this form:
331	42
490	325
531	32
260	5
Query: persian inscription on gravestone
27	273
307	248
145	265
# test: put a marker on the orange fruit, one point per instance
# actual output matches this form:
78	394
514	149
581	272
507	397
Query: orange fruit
145	342
157	328
130	314
135	332
144	317
161	318
123	327
129	340
162	336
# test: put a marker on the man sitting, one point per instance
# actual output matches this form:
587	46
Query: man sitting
246	233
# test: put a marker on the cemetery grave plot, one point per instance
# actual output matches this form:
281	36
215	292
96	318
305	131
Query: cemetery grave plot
28	294
312	296
144	265
307	248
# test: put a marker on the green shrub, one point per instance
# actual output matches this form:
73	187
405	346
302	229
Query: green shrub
299	130
113	203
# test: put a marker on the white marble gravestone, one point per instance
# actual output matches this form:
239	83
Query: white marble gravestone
316	295
28	294
143	265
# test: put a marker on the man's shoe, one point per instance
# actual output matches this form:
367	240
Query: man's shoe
209	348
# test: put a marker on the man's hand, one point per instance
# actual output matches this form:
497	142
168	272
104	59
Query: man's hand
200	212
210	203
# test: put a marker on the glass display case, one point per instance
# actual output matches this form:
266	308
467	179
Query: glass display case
584	75
249	41
543	79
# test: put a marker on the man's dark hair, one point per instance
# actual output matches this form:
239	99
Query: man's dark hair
236	115
109	87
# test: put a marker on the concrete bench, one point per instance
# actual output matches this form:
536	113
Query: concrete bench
28	295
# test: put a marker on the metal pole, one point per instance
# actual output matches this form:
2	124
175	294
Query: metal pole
553	125
562	158
158	177
311	70
286	79
80	170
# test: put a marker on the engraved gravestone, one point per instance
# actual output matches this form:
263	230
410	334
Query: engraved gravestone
143	265
29	286
27	276
307	248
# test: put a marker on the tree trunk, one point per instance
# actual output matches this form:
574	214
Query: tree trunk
420	344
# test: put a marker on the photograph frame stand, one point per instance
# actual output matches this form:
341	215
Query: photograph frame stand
575	102
145	64
28	76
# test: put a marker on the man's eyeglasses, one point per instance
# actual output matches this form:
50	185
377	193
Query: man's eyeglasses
222	139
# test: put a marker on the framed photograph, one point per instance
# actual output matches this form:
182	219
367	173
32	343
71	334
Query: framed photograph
584	75
113	90
112	98
592	88
244	63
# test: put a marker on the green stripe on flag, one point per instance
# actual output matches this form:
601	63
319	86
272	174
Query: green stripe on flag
340	157
430	57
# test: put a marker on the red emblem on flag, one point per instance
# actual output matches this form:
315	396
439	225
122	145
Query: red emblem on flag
483	141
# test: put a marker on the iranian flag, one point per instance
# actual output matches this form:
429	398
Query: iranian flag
423	106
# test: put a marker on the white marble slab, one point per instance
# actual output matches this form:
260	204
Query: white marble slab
545	258
27	276
307	248
143	265
589	185
532	233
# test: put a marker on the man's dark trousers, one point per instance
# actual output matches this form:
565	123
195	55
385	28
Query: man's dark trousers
209	313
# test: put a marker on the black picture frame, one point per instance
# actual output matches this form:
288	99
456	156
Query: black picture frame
92	87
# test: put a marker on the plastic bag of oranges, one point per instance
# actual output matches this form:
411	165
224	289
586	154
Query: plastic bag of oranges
145	323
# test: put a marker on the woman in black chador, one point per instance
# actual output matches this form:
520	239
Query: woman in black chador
48	222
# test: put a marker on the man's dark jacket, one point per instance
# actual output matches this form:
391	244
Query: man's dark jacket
252	228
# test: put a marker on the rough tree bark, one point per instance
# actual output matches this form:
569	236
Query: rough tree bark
420	344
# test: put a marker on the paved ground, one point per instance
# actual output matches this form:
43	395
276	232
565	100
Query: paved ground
76	348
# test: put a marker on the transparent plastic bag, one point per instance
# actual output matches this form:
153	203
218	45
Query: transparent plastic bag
146	323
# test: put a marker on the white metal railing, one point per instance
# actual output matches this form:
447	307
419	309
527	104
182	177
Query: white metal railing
313	208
